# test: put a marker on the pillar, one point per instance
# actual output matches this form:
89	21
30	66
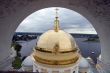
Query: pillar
49	71
71	71
39	70
61	71
77	69
34	68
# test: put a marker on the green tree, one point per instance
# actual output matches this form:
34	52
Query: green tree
17	47
16	64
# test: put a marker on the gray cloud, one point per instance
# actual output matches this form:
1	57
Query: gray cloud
42	20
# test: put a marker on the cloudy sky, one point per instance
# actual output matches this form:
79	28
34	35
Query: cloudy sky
42	20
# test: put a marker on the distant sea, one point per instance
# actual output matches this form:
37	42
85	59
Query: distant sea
89	49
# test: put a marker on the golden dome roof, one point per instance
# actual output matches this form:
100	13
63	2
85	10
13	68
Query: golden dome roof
56	47
61	39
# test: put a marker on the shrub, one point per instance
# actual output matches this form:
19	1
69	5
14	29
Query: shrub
17	47
16	64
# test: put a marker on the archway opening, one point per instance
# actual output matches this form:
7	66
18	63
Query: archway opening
70	21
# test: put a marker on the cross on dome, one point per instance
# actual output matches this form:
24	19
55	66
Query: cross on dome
56	21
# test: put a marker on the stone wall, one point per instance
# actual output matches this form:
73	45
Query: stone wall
12	13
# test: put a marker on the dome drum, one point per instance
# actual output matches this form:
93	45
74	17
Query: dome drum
56	62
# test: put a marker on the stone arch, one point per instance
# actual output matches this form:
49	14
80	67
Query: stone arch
13	12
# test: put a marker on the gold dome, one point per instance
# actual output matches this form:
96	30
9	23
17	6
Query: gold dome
51	39
56	47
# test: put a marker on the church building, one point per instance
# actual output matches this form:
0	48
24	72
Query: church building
56	52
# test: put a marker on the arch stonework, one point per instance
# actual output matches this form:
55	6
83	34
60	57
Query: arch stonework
13	12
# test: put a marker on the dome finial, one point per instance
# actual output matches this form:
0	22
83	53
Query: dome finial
56	12
56	22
